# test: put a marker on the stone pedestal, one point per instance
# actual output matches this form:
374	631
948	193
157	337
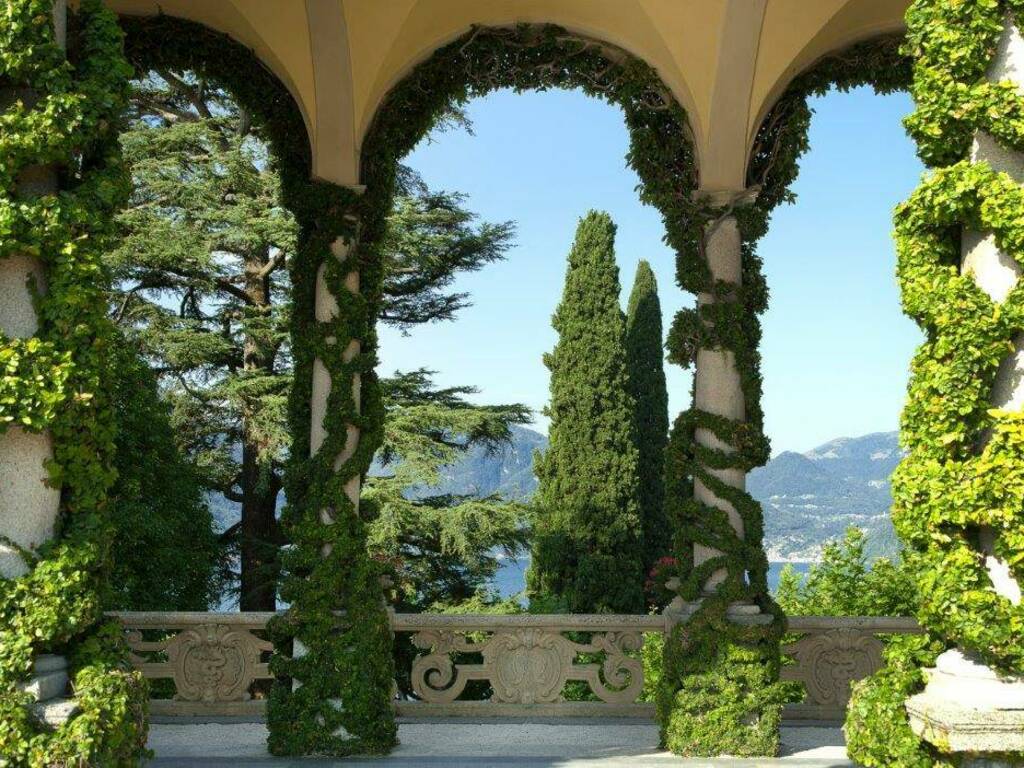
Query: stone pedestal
48	687
966	708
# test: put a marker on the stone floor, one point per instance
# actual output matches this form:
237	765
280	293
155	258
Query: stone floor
461	744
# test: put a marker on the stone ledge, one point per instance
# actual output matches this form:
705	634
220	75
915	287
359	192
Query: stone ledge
956	727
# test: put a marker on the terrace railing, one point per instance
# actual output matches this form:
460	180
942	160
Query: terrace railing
215	664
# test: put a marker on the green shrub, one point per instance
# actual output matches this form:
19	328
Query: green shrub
844	583
877	731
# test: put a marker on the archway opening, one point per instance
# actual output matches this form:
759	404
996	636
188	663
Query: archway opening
836	342
512	163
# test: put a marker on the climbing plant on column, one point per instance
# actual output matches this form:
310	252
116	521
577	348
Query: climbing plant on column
719	690
964	470
333	647
55	380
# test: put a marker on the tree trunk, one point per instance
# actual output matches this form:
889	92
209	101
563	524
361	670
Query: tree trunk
259	539
260	483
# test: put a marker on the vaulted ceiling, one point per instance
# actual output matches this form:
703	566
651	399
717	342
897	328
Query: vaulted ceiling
725	60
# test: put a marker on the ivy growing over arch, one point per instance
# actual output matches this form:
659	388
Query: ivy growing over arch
661	152
55	380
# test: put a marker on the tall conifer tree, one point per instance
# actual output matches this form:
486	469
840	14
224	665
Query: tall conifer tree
587	537
645	361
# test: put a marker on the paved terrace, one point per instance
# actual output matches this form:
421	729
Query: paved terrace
461	744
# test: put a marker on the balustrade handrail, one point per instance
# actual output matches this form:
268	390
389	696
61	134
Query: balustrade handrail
215	660
882	625
176	619
569	622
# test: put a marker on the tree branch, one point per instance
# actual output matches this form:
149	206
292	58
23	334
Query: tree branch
273	263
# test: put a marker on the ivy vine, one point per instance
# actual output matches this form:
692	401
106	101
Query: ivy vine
65	112
948	487
711	652
332	697
964	470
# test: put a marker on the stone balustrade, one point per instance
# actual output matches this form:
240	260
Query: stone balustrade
829	653
480	666
212	660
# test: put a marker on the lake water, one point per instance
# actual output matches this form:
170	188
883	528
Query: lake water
511	578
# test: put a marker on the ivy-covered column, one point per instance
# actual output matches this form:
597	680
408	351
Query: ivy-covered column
959	494
718	391
719	692
29	502
334	641
61	182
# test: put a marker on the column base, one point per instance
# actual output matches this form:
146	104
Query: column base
741	613
48	686
967	708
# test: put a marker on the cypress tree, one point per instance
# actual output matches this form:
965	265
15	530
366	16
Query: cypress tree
645	361
587	536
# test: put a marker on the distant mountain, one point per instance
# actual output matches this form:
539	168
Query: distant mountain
811	497
506	471
808	498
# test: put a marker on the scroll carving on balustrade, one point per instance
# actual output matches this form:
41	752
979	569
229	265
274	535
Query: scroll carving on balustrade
212	665
528	665
828	663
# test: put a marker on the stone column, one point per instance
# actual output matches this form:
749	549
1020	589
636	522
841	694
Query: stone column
326	310
966	706
717	387
29	506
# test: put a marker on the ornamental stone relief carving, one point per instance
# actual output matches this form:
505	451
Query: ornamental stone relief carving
828	662
208	662
528	665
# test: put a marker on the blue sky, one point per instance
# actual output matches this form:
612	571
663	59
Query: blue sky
836	347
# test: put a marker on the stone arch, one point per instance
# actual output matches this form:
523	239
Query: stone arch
534	57
712	261
821	32
782	130
423	32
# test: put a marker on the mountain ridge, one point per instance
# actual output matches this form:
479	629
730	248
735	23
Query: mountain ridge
808	498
